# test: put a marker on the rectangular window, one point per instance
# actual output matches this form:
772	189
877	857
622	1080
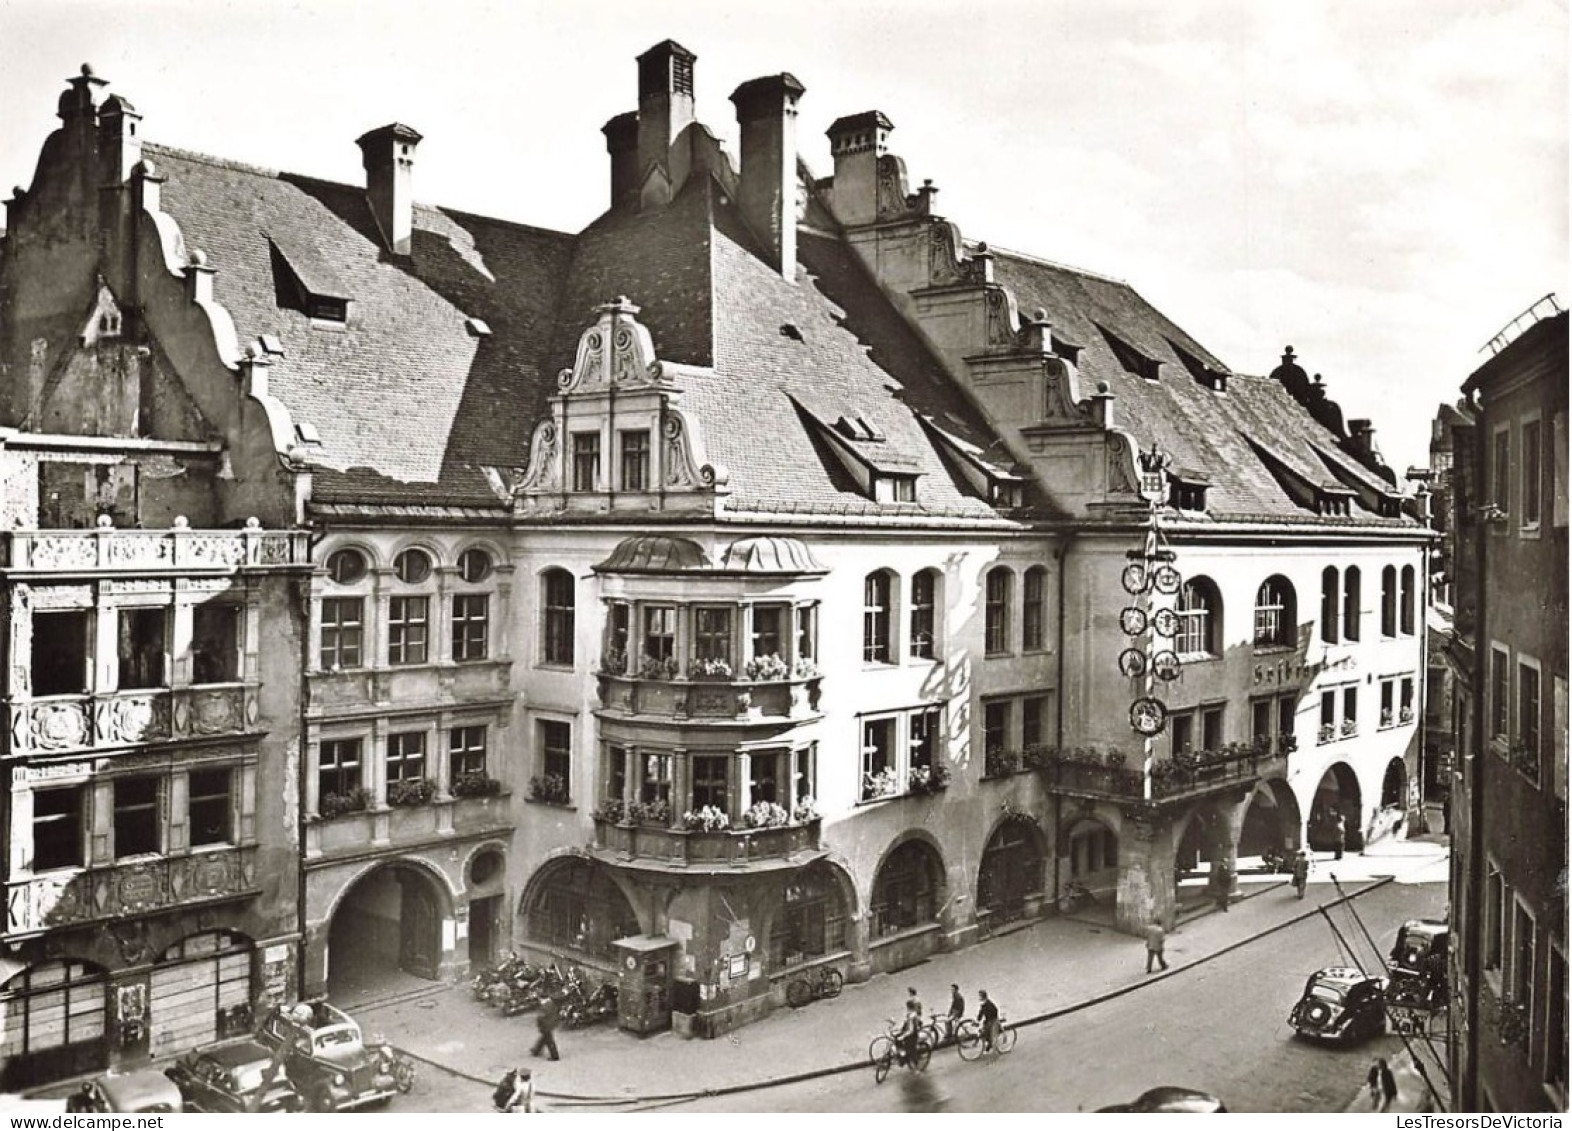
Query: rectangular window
559	595
1262	723
769	630
342	629
136	817
1501	470
586	461
618	620
1350	710
1328	716
807	631
616	776
1494	909
1287	706
996	726
467	751
556	749
636	460
60	652
338	767
208	807
924	739
876	618
1555	1056
57	828
1388	702
1033	620
1181	732
712	781
1034	721
407	629
879	770
921	642
712	633
660	632
764	775
903	489
407	756
1520	979
1528	719
655	784
471	622
1500	694
802	783
1211	728
1530	473
996	613
143	646
1405	699
215	643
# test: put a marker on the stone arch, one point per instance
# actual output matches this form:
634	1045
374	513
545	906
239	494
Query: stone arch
499	556
1394	785
1272	820
391	918
573	902
810	915
1010	875
375	559
74	994
465	883
909	885
1337	794
1091	847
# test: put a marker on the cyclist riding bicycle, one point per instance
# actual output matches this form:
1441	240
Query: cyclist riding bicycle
957	1010
906	1035
988	1015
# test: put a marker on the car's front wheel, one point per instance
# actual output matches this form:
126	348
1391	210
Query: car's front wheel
319	1098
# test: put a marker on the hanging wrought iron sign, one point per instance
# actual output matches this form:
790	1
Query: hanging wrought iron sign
1148	716
1132	620
1166	622
1134	578
1132	662
1165	579
1165	665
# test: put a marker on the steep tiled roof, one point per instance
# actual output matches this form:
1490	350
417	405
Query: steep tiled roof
409	400
1207	433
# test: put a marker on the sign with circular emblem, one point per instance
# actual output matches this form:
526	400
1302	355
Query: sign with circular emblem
1132	662
749	943
1132	620
1133	578
1148	716
630	962
1165	579
1165	665
1166	622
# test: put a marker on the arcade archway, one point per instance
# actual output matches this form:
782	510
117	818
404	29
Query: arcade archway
1011	874
1336	796
1272	821
388	923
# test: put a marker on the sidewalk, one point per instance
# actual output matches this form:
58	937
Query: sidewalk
1082	961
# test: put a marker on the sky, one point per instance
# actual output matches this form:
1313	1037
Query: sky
1380	183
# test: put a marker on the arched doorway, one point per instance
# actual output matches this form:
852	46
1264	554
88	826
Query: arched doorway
908	890
1394	786
1094	856
1271	821
52	1019
1011	872
201	992
389	922
486	925
809	920
1336	795
575	905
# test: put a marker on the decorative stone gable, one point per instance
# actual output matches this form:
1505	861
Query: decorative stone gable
617	438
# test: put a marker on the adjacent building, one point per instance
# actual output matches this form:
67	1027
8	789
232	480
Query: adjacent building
1508	652
767	576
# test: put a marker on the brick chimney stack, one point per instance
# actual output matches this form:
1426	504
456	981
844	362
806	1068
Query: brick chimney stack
857	142
767	114
388	154
119	146
622	142
665	110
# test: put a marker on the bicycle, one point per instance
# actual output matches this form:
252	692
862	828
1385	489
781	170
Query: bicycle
884	1052
824	982
969	1039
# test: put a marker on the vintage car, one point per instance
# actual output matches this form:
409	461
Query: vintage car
1421	944
144	1090
1171	1098
327	1060
245	1076
1340	1003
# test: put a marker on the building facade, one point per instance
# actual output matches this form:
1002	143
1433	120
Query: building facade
765	577
1509	652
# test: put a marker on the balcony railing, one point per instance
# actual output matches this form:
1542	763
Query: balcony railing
136	887
739	700
730	848
1173	779
111	550
62	724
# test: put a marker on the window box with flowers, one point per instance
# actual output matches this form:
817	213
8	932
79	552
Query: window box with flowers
999	762
707	819
804	668
1287	742
410	792
1512	1022
649	813
806	809
884	783
332	805
1326	734
717	670
1388	719
614	661
549	789
764	815
1524	759
1350	728
612	810
1405	714
475	783
658	667
922	779
766	668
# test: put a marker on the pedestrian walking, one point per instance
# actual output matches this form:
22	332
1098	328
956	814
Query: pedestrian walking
1382	1084
1155	938
957	1008
1225	882
1339	837
1301	872
1446	814
546	1028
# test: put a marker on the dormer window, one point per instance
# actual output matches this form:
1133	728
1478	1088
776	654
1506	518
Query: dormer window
586	461
326	309
1132	360
1005	493
858	428
304	280
635	460
895	488
1187	492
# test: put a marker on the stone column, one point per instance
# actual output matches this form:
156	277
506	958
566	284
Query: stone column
1146	872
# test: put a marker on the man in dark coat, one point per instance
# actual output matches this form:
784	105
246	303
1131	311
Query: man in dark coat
546	1026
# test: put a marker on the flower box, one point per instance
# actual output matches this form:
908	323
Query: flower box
1327	733
405	794
552	789
885	783
1350	727
707	819
475	784
764	815
331	805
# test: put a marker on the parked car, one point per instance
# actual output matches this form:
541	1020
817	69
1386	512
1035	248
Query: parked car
1340	1003
1171	1098
142	1090
1421	943
242	1077
328	1061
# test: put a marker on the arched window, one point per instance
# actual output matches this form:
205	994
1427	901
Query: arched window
1200	610
1034	610
1275	615
905	893
1408	601
1329	597
924	642
996	611
557	602
877	595
1389	602
1351	603
810	920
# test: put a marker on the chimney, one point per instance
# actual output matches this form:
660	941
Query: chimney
767	114
665	110
857	142
119	145
388	155
1361	438
622	142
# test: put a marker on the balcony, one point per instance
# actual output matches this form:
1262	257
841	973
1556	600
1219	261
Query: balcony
181	550
1186	777
129	888
710	699
64	724
730	850
407	825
